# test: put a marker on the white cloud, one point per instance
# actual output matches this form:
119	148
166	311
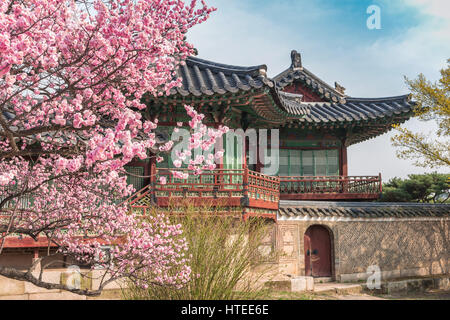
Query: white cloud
436	8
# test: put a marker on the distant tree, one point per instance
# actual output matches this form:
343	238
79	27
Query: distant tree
392	194
433	103
426	188
419	187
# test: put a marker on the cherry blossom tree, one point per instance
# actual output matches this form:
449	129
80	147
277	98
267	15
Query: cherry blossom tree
72	75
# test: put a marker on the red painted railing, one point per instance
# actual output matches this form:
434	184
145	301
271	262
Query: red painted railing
225	181
330	187
243	187
222	187
263	187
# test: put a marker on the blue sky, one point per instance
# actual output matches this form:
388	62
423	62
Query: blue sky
336	45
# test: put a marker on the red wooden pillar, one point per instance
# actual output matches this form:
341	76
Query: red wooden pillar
152	168
259	151
244	151
343	170
245	181
218	174
380	184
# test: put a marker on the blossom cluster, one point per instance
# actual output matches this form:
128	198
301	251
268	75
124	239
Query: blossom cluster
72	77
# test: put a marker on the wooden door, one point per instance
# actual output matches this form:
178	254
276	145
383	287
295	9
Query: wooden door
317	245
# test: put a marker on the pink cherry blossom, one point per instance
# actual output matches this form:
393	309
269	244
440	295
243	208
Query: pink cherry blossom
177	163
219	154
73	77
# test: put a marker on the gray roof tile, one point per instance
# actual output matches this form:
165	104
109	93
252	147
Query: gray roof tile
364	209
205	77
354	109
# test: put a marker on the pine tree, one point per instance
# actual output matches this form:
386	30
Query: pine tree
433	104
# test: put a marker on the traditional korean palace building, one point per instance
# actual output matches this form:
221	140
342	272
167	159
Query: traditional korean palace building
325	222
316	123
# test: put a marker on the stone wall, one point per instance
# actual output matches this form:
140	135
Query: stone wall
400	248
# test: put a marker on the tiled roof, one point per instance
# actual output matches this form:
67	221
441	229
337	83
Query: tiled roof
317	209
202	77
292	103
349	110
296	72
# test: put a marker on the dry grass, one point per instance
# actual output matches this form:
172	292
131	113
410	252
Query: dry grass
222	249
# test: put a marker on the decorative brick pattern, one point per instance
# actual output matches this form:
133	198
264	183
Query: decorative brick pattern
394	245
398	247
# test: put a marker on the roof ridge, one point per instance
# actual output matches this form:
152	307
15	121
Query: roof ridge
325	84
308	204
227	67
399	97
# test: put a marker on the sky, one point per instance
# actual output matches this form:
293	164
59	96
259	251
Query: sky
337	45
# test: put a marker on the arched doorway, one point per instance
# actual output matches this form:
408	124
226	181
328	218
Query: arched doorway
317	243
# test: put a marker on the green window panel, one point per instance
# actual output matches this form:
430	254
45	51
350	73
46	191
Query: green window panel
333	162
307	163
320	159
232	160
294	162
283	163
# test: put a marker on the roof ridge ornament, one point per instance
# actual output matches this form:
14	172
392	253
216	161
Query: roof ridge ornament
296	58
339	88
263	72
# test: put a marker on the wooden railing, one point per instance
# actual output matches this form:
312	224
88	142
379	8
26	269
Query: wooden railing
243	187
217	183
330	187
227	187
263	187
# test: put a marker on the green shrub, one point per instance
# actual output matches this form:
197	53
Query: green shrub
225	257
391	194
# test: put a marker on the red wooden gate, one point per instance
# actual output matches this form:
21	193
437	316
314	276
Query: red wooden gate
317	252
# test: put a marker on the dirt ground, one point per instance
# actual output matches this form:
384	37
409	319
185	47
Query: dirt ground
430	295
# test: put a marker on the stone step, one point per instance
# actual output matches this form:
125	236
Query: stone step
403	286
338	288
323	279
